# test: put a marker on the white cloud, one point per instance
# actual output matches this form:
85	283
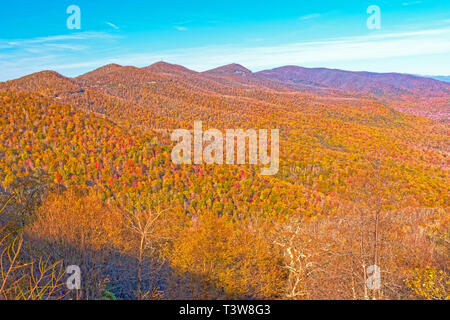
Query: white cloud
180	28
81	36
361	51
309	16
410	3
19	57
112	25
370	47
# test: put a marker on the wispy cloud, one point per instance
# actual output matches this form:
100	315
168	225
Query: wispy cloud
326	52
350	49
181	28
309	16
19	57
81	36
410	3
112	25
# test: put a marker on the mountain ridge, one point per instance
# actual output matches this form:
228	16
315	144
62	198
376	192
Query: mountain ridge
403	92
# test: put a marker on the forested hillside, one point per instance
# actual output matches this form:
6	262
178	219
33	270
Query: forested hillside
86	178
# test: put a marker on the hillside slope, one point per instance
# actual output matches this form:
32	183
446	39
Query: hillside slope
407	93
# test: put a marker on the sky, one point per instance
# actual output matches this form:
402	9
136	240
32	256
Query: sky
413	36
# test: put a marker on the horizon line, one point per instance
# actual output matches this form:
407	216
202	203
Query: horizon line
428	76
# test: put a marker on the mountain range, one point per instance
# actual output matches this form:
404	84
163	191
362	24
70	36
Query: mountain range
406	93
440	78
86	175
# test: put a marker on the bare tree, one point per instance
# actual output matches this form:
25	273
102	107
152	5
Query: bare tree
143	223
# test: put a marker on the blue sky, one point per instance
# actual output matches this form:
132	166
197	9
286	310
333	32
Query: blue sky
414	35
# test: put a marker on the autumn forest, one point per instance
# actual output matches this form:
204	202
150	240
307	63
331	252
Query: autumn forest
87	180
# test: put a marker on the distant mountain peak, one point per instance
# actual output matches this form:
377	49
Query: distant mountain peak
102	70
165	67
229	69
111	66
46	82
161	64
46	74
41	77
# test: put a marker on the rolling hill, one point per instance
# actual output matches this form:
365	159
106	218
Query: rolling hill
96	148
407	93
